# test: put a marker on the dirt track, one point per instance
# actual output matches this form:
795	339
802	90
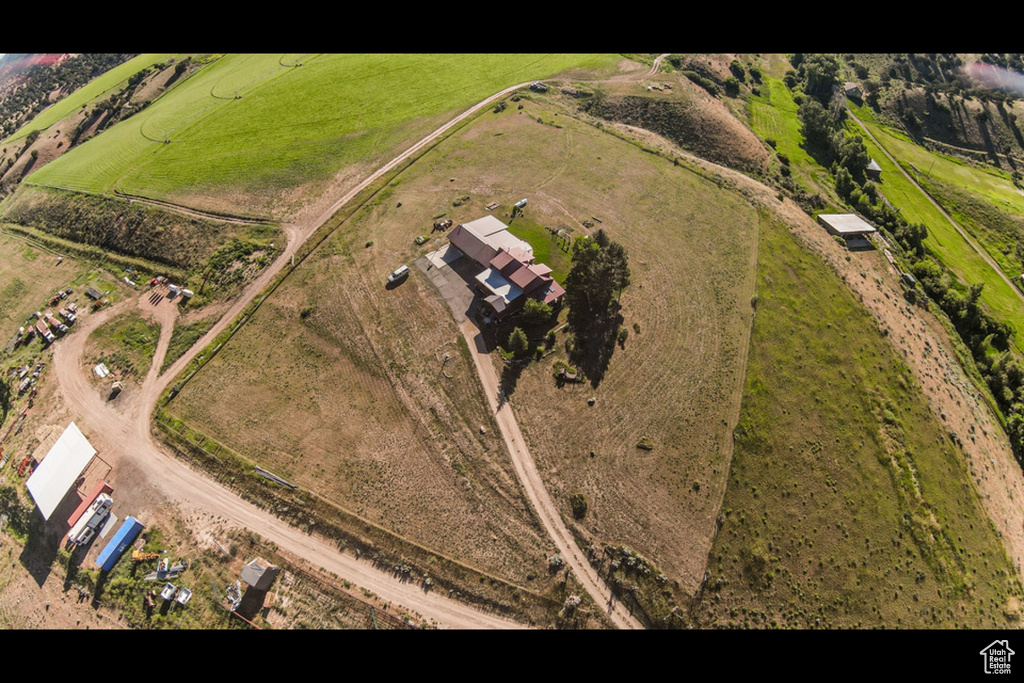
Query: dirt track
526	469
125	440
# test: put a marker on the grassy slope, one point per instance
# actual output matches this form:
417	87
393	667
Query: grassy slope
344	395
95	89
847	504
943	239
690	245
352	108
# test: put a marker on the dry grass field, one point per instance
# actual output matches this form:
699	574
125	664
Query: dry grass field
336	383
675	381
29	276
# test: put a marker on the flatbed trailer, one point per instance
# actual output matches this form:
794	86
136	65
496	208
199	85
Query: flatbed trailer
101	487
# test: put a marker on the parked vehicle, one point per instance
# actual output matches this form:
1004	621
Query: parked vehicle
400	272
89	523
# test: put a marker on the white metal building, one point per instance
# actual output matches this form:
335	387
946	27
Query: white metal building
60	469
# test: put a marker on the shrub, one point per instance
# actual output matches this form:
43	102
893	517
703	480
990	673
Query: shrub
579	505
556	562
536	312
518	344
737	70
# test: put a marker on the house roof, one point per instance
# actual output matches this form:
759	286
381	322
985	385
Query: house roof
497	284
259	574
471	244
497	303
484	238
873	166
553	293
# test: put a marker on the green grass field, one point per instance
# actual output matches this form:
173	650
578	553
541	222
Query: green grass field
249	127
847	504
126	343
773	116
93	90
547	248
943	240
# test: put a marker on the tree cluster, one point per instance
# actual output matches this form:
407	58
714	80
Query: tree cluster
600	271
845	154
987	339
22	103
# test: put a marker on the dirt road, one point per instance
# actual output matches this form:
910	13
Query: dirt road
126	442
526	470
963	233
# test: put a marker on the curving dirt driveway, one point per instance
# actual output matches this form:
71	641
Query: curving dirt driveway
126	442
526	470
125	437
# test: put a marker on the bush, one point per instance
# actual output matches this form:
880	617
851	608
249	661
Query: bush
579	505
536	312
518	344
737	70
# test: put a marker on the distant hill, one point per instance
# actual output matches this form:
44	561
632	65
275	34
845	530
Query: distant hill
967	105
13	64
31	83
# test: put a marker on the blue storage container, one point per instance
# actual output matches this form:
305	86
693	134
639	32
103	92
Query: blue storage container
119	543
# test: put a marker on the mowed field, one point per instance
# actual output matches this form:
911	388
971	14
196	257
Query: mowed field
93	90
246	129
344	393
676	381
337	385
848	505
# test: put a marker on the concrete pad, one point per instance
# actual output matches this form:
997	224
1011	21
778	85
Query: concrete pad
443	256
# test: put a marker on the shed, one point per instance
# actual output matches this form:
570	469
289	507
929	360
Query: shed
846	224
60	469
259	574
873	170
93	293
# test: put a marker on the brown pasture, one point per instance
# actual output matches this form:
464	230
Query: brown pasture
336	383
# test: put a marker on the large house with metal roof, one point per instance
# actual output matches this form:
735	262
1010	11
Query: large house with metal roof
509	276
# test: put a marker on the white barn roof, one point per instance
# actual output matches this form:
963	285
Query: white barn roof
60	469
483	238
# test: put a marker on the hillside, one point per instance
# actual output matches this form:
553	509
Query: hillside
778	434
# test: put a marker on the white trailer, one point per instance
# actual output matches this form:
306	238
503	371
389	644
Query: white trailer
87	525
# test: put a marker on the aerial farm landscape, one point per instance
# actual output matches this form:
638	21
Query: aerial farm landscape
549	341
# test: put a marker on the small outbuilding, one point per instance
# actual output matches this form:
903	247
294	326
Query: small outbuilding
874	171
846	224
259	574
93	293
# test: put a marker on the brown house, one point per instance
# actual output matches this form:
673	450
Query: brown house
509	276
